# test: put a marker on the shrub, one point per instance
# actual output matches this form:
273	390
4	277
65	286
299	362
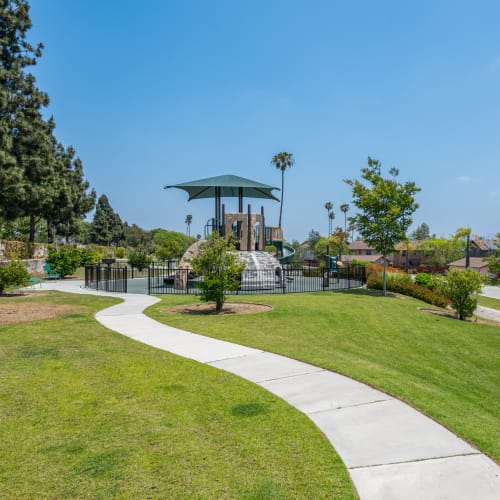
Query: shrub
139	260
13	275
462	288
86	256
65	260
401	283
120	253
427	280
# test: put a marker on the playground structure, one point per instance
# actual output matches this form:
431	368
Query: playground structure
247	230
265	272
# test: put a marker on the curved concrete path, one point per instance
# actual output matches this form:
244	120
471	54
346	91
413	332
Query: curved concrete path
391	450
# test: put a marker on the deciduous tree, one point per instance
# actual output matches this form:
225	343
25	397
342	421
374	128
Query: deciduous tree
385	208
219	265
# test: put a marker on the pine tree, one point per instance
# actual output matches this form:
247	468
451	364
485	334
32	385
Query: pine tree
20	104
107	227
38	177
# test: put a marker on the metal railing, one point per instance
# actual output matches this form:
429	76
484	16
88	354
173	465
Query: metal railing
163	279
107	278
289	278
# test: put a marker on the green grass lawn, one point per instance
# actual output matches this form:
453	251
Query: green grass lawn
88	413
489	302
447	368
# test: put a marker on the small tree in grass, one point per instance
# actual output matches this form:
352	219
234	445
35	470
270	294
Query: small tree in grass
462	288
220	266
385	208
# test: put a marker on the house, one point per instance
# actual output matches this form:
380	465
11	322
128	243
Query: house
416	257
480	248
476	263
359	247
360	250
372	259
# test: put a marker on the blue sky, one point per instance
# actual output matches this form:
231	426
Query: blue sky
161	91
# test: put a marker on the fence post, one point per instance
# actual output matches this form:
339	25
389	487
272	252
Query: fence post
149	277
348	276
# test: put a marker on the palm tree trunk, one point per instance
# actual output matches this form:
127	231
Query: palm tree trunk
282	186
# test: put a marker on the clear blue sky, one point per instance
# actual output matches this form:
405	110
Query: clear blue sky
158	92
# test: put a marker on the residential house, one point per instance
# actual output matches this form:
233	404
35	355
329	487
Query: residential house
476	263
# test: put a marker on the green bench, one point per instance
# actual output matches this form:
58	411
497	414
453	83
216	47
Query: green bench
51	274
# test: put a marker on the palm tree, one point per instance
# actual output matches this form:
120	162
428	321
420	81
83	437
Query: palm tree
329	206
189	219
282	161
464	232
331	216
345	208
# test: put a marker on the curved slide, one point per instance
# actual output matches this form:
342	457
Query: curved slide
287	253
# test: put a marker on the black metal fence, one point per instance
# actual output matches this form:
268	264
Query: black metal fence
165	279
289	278
103	277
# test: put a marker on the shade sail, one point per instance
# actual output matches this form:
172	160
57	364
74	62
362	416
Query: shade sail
226	186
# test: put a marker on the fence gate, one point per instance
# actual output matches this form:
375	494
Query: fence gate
107	278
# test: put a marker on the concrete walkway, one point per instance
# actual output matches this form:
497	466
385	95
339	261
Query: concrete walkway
391	450
488	312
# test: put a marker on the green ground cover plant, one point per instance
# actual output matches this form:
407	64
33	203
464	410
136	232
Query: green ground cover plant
88	413
442	366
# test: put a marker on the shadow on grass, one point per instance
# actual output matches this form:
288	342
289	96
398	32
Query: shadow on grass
249	410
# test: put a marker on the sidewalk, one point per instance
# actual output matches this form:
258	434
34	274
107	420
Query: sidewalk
391	450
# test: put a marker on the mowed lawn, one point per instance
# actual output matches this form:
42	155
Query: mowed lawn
489	302
86	412
447	368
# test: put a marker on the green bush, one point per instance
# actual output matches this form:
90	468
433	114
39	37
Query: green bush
219	265
404	285
120	253
13	275
139	260
462	288
65	260
86	256
427	280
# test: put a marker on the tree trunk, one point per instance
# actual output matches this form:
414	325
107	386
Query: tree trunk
281	204
467	254
32	232
50	232
218	306
385	277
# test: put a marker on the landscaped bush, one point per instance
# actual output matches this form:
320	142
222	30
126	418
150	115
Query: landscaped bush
13	275
65	260
139	260
399	282
87	256
427	280
462	288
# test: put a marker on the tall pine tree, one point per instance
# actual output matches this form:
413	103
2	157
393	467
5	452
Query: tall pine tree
20	102
39	178
107	227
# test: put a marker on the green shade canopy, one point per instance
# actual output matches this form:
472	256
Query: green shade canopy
226	186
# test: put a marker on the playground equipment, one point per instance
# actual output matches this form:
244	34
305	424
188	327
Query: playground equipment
248	230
